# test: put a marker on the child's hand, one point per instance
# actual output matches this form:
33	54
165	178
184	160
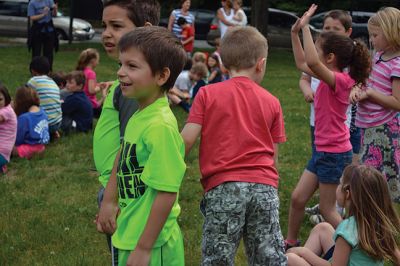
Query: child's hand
305	19
139	257
106	219
309	96
296	27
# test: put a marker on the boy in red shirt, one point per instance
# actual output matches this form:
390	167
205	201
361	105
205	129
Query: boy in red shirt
187	35
241	125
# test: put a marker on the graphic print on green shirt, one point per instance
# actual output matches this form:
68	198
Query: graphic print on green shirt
129	183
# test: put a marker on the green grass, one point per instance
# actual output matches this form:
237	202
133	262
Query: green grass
48	203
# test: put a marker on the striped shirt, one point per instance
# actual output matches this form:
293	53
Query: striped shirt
176	29
370	114
8	131
49	95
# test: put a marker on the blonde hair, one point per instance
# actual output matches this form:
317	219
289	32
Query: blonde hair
242	47
85	57
199	57
239	2
388	19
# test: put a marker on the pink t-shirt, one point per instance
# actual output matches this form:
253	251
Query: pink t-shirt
240	122
8	131
331	133
90	75
370	114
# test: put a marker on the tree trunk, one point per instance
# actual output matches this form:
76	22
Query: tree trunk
259	15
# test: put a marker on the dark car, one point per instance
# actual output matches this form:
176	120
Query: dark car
279	26
360	24
203	19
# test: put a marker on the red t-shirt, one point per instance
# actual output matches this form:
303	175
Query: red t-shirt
240	122
331	133
188	32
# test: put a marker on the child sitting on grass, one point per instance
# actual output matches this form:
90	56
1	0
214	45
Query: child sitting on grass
76	106
150	165
240	124
33	126
49	93
198	75
214	69
369	234
8	128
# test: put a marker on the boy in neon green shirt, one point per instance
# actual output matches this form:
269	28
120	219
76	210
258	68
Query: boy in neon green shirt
144	185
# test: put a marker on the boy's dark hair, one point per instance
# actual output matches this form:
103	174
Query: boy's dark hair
181	21
40	65
78	76
341	15
25	98
59	78
139	11
160	48
4	91
348	53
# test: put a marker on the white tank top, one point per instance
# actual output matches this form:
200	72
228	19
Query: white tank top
222	27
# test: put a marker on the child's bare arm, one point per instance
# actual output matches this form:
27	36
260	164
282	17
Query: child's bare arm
212	75
305	87
159	213
109	207
298	51
342	251
188	40
190	133
276	154
388	101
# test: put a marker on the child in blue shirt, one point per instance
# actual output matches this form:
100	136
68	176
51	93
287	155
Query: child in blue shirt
33	125
76	106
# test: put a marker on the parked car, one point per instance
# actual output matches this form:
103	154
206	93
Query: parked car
14	22
203	19
279	26
360	24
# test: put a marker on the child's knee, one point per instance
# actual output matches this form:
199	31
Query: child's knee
322	228
297	200
292	259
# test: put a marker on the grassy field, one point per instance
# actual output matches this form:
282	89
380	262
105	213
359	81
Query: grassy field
48	203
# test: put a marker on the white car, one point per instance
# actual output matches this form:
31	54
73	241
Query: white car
14	22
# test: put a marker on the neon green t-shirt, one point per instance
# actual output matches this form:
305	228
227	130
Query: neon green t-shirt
152	159
106	138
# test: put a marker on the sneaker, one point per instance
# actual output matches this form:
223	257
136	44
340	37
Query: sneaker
313	210
316	219
289	246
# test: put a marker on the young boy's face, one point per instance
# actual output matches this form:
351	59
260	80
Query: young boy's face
115	23
334	25
72	86
194	76
135	75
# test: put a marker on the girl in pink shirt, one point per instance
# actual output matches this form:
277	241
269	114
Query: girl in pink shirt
326	61
88	60
379	100
8	128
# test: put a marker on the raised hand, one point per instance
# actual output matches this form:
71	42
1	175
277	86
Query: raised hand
296	26
305	19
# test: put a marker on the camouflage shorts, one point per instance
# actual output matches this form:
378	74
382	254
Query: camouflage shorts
237	209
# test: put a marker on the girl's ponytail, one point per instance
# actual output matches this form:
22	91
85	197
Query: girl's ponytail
360	64
85	57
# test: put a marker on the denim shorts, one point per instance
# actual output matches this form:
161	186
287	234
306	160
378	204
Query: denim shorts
329	166
355	139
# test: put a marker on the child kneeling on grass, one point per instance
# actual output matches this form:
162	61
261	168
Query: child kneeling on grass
33	126
241	125
150	165
369	234
8	128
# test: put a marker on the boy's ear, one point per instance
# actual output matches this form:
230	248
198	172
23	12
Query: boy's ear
349	32
147	24
261	63
163	76
330	58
